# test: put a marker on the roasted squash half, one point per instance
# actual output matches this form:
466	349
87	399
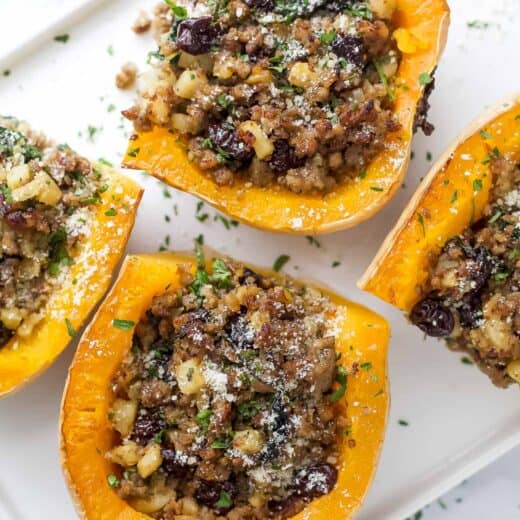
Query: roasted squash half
421	35
86	432
85	283
432	216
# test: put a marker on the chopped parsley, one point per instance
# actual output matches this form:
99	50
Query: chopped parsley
248	410
341	378
62	38
224	100
454	196
59	254
220	275
178	10
204	418
477	24
384	80
228	223
501	276
7	193
328	37
495	216
359	10
312	241
425	78
70	329
420	218
123	324
225	501
113	481
221	444
280	262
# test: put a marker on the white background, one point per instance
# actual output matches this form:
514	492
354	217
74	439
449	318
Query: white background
457	421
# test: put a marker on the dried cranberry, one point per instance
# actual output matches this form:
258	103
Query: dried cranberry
227	139
148	423
249	277
423	106
287	507
262	5
158	360
432	317
283	157
196	35
5	334
171	465
350	47
470	311
479	225
208	493
239	332
279	429
314	481
193	323
480	266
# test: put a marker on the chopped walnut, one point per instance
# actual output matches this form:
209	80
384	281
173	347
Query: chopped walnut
125	78
142	23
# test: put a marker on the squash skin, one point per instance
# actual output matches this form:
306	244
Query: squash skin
423	28
400	268
86	432
21	360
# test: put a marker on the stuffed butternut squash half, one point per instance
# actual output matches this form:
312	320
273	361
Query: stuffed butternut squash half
289	116
64	224
210	390
453	260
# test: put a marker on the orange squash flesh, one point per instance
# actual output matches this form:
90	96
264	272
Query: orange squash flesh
86	433
422	31
87	280
435	213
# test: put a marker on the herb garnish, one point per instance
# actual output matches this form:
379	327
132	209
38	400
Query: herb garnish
204	418
341	378
327	37
420	218
59	254
248	410
280	262
425	78
113	481
62	38
225	501
123	324
70	329
384	80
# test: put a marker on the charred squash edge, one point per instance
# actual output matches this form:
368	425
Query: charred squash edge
86	434
400	268
423	32
22	359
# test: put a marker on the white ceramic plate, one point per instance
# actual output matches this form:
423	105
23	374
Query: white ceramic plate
457	422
